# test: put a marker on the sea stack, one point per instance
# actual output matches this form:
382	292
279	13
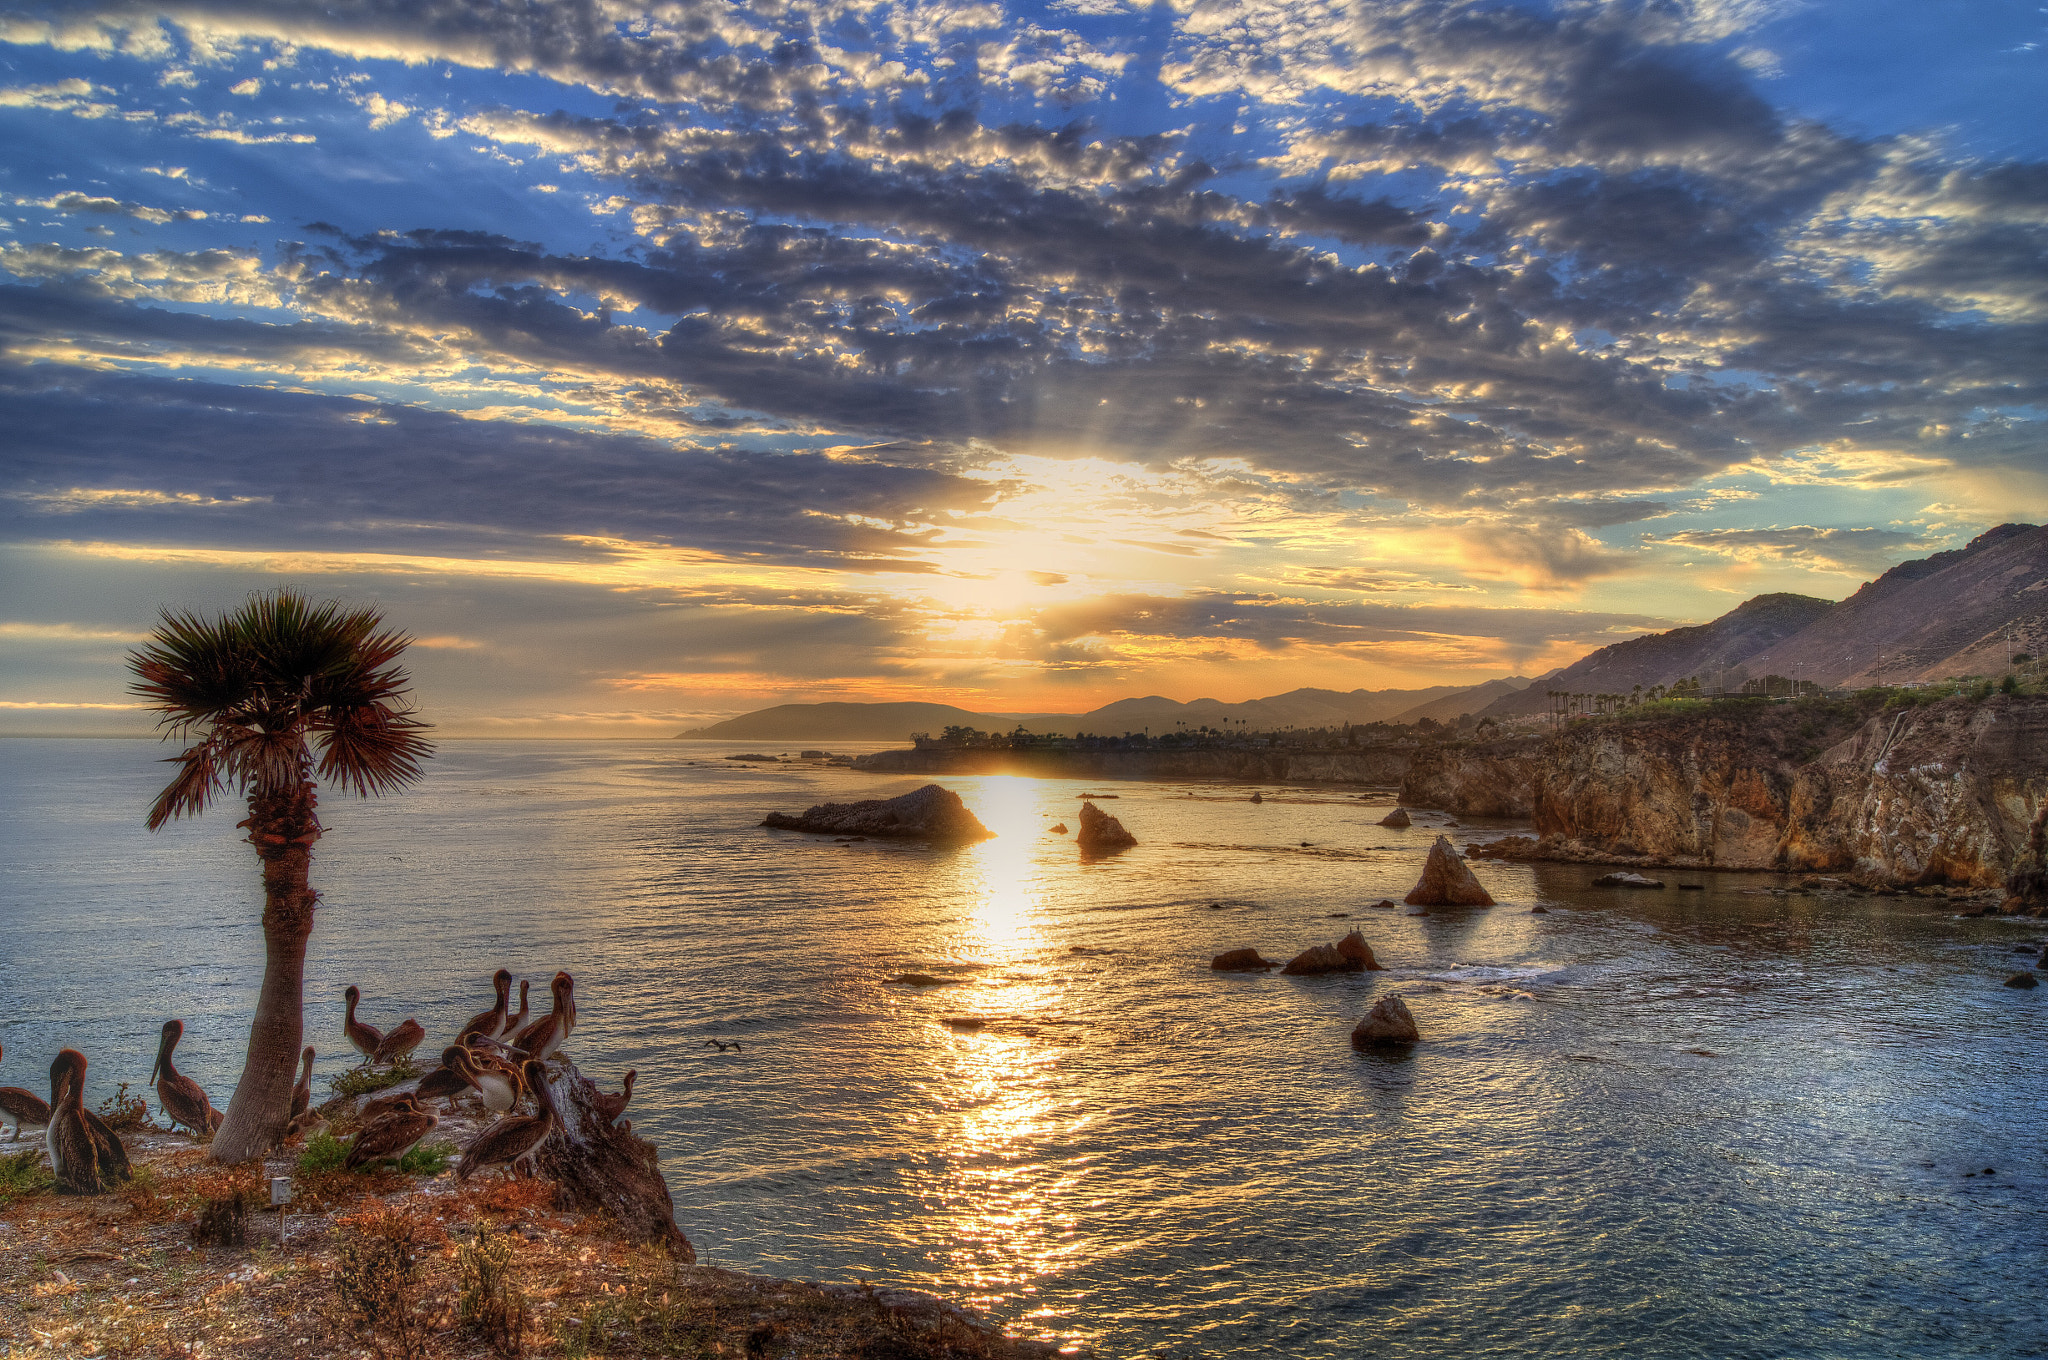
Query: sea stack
1387	1024
1100	831
1349	955
930	813
1446	881
1240	961
1397	819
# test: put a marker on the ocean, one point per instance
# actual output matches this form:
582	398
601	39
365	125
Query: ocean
1726	1122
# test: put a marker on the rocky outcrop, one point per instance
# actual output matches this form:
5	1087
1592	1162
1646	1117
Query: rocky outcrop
1626	880
598	1166
1241	961
1446	881
2023	981
1100	831
929	813
1398	819
1475	779
1348	955
1949	792
1387	1024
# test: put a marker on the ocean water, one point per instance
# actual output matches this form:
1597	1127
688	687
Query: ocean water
1644	1124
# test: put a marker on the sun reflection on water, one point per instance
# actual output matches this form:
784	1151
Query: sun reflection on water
996	1215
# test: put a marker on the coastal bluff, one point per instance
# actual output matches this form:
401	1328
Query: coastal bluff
1951	792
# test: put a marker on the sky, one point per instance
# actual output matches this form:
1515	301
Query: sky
653	363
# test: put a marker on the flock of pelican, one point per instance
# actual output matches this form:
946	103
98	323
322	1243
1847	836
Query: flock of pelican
498	1057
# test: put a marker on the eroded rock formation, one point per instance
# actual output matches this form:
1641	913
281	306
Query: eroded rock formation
1398	818
1100	831
1446	881
929	813
1388	1023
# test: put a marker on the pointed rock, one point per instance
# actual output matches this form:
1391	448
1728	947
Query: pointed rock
1100	831
1353	949
1446	881
1387	1023
1397	818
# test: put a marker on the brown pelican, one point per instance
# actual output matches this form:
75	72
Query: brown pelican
392	1134
23	1107
302	1094
181	1096
400	1042
609	1108
515	1136
364	1038
518	1022
498	1083
490	1023
450	1079
85	1156
721	1045
544	1037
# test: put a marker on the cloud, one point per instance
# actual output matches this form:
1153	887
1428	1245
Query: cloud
88	203
1850	552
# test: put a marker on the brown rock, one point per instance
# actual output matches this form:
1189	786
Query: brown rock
1100	831
1355	950
1446	881
1058	829
1397	818
1387	1023
2024	981
1241	961
1321	958
596	1165
929	813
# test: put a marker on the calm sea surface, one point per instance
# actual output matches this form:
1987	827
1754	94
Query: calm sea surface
1645	1124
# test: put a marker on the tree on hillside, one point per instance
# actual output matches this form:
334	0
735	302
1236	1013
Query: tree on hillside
260	688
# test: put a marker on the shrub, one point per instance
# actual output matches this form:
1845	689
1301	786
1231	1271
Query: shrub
223	1222
23	1174
324	1152
360	1081
2009	685
380	1283
427	1159
124	1113
490	1302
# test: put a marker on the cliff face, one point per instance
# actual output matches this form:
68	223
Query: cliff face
1365	765
1948	793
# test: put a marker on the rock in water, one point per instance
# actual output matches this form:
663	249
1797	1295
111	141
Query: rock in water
1397	818
1354	949
1258	798
930	813
1240	961
1100	831
1626	881
1446	881
1321	958
1058	829
2022	980
1388	1022
596	1165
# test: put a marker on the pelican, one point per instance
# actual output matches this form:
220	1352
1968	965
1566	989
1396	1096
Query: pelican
498	1084
302	1094
609	1108
365	1038
515	1136
85	1156
392	1134
181	1096
401	1041
490	1023
519	1021
23	1107
545	1036
450	1079
721	1045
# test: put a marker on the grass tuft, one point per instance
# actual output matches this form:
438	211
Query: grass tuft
23	1175
360	1081
427	1159
489	1301
324	1152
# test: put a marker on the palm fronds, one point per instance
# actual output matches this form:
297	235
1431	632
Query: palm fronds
258	684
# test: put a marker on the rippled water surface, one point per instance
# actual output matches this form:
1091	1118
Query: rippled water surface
1643	1124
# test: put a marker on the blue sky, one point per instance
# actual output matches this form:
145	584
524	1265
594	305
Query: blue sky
651	363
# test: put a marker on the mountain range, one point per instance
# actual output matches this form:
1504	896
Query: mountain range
1964	612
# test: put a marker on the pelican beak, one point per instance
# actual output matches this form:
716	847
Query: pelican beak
155	1068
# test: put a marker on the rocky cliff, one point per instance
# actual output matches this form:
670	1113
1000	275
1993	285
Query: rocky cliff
1943	793
1381	765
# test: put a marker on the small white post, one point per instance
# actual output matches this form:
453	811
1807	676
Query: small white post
280	1195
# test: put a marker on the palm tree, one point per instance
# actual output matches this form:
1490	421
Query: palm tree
254	687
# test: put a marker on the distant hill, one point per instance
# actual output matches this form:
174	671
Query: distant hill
1956	613
895	722
1708	650
1452	707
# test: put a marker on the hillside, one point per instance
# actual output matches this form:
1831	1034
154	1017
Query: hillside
1706	650
1301	708
1956	613
1452	707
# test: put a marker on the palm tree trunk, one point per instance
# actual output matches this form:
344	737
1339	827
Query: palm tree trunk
283	828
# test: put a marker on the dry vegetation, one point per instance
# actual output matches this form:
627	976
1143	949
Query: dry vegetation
392	1267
